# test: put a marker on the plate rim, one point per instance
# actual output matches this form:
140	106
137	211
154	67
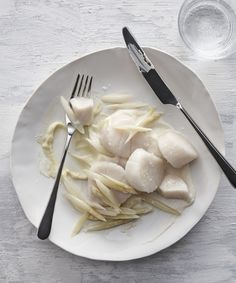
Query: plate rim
184	231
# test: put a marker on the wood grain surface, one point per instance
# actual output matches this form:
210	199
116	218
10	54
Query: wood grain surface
39	36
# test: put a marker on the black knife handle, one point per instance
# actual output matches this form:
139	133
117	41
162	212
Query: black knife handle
229	171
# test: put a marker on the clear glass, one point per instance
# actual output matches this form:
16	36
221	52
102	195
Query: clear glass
208	27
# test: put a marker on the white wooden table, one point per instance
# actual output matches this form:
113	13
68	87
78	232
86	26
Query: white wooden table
38	37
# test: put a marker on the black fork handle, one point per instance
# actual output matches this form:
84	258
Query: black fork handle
46	222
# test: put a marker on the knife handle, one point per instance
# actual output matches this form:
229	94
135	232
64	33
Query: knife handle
229	171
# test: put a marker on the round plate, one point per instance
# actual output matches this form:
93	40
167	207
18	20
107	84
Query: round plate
114	71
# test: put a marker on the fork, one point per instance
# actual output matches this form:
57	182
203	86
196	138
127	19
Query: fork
80	89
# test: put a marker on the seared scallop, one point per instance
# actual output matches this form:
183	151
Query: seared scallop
147	141
173	186
113	139
83	109
176	149
114	171
144	171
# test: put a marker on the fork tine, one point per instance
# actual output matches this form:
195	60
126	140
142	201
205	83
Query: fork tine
80	86
75	86
85	84
90	86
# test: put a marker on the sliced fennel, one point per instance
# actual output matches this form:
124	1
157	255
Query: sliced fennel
133	129
158	204
116	98
79	224
107	225
116	185
83	206
70	188
126	106
107	193
147	118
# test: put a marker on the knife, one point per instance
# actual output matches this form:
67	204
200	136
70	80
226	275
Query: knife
147	69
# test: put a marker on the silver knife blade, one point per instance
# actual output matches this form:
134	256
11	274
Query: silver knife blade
147	69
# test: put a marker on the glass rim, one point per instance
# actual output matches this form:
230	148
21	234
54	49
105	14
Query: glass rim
188	4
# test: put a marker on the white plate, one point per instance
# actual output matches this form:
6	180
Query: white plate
114	71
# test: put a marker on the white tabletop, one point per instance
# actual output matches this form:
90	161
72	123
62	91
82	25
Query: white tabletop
37	38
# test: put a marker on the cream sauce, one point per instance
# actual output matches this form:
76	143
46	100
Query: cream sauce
51	164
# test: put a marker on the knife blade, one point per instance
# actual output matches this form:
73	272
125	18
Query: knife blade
147	69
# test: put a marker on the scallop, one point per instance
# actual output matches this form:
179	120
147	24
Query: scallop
114	171
71	115
114	140
83	109
68	110
173	186
176	149
147	141
144	171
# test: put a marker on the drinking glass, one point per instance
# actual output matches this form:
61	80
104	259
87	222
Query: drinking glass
208	27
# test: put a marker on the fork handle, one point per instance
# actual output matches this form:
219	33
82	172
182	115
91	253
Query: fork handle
229	171
46	222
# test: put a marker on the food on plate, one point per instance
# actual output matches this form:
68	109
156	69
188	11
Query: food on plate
83	109
144	171
173	186
112	137
71	115
47	147
116	98
147	141
176	149
113	171
127	161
